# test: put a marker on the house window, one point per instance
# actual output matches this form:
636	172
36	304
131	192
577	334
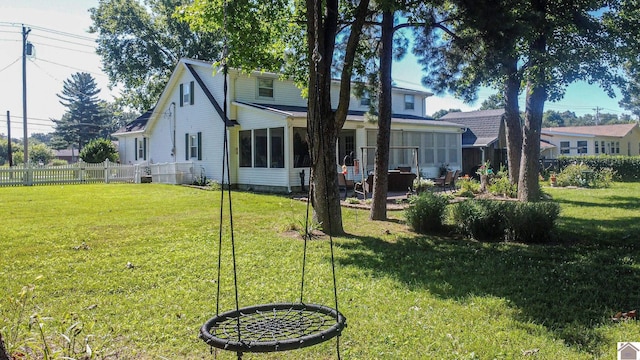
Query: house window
565	147
265	88
617	147
300	148
260	146
186	93
140	149
596	145
365	100
193	146
434	148
602	147
409	102
245	148
582	147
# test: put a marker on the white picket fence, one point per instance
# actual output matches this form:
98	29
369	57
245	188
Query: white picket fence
107	172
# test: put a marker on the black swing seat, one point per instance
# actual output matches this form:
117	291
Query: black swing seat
273	327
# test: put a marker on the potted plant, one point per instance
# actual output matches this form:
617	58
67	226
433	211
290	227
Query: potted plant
553	179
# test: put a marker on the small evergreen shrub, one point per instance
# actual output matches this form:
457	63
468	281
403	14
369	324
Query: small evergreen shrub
482	220
531	222
490	220
426	212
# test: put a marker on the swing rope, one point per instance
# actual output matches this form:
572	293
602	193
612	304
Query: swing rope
278	326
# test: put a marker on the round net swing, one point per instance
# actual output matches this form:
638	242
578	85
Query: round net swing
276	326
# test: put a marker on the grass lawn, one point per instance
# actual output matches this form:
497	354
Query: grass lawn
131	269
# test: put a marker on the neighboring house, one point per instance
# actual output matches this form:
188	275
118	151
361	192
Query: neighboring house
69	155
266	129
619	139
484	139
627	351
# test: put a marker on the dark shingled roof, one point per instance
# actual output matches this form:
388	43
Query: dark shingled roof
483	126
301	111
136	125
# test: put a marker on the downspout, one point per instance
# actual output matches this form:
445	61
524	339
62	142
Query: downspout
173	138
287	153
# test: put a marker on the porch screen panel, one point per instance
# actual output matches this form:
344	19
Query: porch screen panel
277	147
370	153
441	148
260	145
300	148
245	148
452	149
396	156
427	145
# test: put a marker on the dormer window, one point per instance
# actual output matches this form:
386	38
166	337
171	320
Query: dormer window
365	100
265	88
409	102
186	93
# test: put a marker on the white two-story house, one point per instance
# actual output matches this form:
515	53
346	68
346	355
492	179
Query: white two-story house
266	129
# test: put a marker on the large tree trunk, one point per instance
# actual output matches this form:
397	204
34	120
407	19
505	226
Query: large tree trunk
381	167
513	125
3	351
528	186
323	123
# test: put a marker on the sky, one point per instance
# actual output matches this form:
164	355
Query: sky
63	46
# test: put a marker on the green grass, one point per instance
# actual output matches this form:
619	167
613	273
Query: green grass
405	296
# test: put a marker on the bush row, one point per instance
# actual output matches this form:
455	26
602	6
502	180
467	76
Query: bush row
627	168
485	220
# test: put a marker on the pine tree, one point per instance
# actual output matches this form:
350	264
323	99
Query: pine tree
85	118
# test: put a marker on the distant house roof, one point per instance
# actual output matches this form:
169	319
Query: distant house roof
137	125
483	126
301	111
617	130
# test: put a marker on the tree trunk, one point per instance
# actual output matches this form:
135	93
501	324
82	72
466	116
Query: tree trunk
528	186
3	351
513	125
381	167
323	123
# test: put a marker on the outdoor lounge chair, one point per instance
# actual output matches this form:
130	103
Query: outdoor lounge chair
345	184
444	181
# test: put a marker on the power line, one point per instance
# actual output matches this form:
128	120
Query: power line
71	67
64	41
63	48
8	66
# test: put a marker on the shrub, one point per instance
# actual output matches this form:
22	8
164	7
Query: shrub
99	150
421	184
625	168
468	187
482	220
584	176
531	222
490	220
426	212
501	185
59	162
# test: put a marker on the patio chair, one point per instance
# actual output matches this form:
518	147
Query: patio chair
345	184
454	178
445	181
364	188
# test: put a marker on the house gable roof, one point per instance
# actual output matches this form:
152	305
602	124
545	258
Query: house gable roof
616	130
483	126
136	126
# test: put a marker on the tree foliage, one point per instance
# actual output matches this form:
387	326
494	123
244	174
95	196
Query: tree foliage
84	119
99	150
140	44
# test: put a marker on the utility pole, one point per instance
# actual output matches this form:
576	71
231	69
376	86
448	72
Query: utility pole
26	50
597	110
9	139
